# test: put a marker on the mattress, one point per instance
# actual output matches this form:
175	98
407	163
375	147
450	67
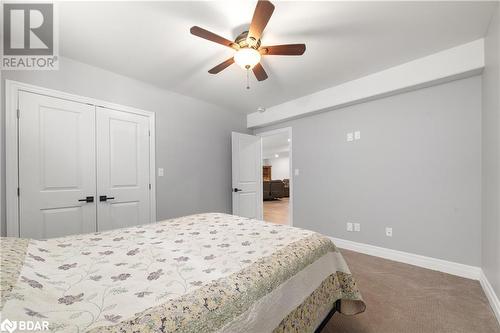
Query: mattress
207	272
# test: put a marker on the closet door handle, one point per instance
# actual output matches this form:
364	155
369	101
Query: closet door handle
87	199
105	198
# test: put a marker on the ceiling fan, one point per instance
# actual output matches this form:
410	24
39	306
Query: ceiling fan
248	44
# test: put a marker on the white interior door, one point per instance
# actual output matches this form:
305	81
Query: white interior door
56	167
247	175
123	187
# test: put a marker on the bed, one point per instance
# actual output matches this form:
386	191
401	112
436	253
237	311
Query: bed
201	273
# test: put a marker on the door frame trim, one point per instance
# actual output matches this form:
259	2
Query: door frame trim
290	165
12	89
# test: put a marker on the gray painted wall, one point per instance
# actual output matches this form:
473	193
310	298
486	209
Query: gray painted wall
417	168
193	138
491	155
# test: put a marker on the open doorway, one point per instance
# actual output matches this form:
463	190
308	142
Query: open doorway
276	176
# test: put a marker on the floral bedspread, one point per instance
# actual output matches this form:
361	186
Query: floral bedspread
189	274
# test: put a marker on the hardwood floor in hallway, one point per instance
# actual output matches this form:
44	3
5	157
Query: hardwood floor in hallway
276	211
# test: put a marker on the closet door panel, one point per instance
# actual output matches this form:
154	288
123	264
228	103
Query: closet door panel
56	166
122	169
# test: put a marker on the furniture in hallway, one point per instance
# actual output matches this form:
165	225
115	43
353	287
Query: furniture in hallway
273	189
266	172
286	184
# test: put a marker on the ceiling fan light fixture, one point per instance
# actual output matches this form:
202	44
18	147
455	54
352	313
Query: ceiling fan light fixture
247	57
247	45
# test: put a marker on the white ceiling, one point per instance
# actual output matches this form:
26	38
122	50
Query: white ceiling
150	41
275	144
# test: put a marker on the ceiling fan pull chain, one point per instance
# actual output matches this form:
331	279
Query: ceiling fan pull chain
248	77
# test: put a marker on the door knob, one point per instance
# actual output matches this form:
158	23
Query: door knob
105	198
237	190
87	199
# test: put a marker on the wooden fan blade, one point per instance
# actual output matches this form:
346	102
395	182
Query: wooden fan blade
205	34
220	67
259	72
289	49
261	16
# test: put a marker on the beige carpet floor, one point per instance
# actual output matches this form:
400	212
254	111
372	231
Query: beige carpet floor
402	298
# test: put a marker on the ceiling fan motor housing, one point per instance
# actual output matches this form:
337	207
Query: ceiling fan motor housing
243	41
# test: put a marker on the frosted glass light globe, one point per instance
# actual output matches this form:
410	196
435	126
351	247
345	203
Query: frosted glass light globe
247	58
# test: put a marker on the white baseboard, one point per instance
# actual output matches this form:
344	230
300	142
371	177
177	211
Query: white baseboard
466	271
490	294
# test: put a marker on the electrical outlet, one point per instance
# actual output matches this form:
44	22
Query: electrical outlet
349	226
160	172
357	227
357	135
388	232
350	137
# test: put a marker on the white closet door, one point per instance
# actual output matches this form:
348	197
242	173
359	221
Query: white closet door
122	169
56	167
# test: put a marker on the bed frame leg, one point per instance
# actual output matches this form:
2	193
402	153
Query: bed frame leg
329	316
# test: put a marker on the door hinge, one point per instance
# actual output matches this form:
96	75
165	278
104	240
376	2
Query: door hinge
149	133
18	192
150	186
18	114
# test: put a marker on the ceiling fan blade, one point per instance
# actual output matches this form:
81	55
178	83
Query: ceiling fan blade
220	67
261	16
259	72
289	49
205	34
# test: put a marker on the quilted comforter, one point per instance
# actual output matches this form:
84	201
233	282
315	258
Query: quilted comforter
201	273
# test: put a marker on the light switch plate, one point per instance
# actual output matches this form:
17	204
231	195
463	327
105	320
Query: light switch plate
388	232
357	135
349	226
357	227
350	136
296	173
160	172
